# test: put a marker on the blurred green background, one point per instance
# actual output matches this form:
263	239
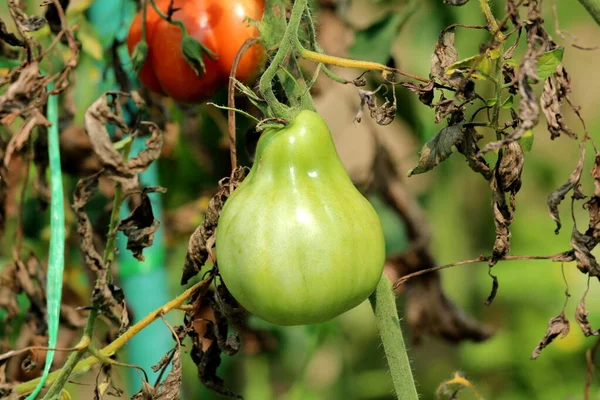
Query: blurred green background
343	359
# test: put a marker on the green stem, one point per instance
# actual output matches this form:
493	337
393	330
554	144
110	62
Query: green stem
494	30
73	360
593	8
288	42
383	302
111	239
109	256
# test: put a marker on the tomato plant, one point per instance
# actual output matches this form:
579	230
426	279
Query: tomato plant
221	26
297	243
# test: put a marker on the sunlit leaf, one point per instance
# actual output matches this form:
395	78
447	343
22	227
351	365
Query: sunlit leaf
547	62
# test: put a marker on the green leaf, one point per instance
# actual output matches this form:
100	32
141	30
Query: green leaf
508	103
526	141
547	62
375	43
490	102
438	148
512	62
484	66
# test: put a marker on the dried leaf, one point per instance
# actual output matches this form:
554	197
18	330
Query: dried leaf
106	111
583	245
556	197
145	393
555	89
494	291
198	251
140	225
470	150
558	326
425	92
84	191
503	218
169	388
444	55
581	315
438	148
510	170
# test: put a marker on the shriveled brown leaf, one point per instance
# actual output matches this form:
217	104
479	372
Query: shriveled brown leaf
503	217
84	191
556	197
145	393
140	225
424	91
198	251
470	149
106	110
558	326
169	388
581	315
586	261
510	170
556	88
443	56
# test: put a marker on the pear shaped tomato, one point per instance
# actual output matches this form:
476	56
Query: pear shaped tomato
219	25
297	243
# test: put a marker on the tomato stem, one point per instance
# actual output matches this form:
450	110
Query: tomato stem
290	38
383	302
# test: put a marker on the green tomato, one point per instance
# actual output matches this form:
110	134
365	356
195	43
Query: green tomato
297	243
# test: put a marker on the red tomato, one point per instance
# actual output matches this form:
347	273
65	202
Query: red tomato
217	24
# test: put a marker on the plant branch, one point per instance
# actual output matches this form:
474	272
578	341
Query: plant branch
383	302
231	102
593	8
121	341
560	257
356	64
290	38
491	20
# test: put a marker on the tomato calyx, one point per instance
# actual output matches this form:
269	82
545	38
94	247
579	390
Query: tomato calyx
193	52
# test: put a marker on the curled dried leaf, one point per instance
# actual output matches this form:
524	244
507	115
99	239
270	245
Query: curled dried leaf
555	91
140	225
583	246
556	197
581	315
510	170
558	326
198	250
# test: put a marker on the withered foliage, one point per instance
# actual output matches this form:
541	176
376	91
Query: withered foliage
581	316
558	326
203	239
140	226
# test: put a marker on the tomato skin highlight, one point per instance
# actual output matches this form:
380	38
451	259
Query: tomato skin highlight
297	243
217	24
